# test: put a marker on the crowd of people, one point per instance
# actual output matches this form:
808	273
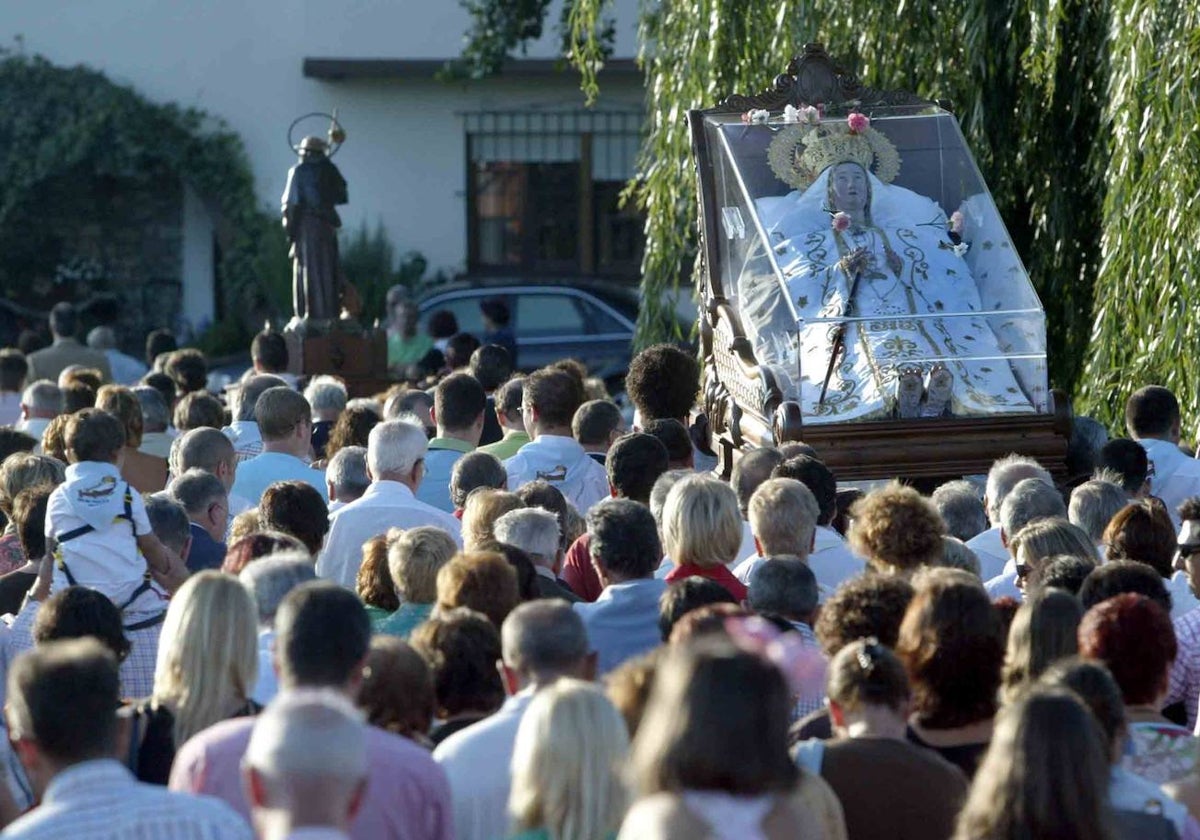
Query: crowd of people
487	604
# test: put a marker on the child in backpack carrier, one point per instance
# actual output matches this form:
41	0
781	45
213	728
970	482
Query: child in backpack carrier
97	528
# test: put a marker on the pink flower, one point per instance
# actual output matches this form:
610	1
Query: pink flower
841	221
810	115
956	222
858	123
746	118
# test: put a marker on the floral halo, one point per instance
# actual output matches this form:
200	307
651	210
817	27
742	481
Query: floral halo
801	152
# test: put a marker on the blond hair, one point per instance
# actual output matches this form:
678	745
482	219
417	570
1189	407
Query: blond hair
204	676
701	522
414	560
783	516
483	507
566	765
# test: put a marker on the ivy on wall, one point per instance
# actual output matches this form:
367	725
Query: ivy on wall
54	120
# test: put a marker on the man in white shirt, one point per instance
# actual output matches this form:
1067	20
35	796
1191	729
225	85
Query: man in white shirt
783	517
541	641
830	558
305	769
126	370
1152	419
396	465
550	400
1092	505
749	472
1031	499
1004	475
13	369
285	422
41	402
61	711
346	477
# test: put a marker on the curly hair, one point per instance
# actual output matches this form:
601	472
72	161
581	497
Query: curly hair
352	428
662	382
1135	638
952	646
1142	531
896	528
871	605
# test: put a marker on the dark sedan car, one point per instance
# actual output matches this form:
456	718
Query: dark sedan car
586	320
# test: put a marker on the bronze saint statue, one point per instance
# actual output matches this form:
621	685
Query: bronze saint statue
314	189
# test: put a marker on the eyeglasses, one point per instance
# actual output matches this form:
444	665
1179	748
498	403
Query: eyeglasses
1186	550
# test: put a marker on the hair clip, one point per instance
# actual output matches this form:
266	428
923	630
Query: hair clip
867	655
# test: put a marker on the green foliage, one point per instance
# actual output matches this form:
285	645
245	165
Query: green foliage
1146	330
369	261
58	123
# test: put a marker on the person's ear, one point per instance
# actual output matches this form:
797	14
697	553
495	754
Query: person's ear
812	544
837	714
612	490
256	791
1003	538
509	678
758	547
590	667
356	799
433	415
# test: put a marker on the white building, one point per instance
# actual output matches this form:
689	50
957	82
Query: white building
510	174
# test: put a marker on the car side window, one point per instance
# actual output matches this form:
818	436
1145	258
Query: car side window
466	312
600	322
543	315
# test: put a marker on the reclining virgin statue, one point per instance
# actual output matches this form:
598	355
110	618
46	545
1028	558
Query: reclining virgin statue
889	319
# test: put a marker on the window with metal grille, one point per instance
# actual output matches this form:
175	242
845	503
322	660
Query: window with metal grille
543	193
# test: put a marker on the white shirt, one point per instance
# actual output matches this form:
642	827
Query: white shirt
1004	584
563	463
126	370
267	684
623	621
386	504
992	554
255	475
10	408
1128	791
34	427
1182	599
477	761
1176	476
247	440
831	560
101	800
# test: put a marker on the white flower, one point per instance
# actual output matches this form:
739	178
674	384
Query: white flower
960	250
810	114
791	114
758	115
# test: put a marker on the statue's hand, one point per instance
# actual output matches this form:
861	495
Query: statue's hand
856	261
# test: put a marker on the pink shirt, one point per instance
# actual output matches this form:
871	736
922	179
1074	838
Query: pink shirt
408	797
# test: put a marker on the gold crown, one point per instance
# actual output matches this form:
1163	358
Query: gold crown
800	153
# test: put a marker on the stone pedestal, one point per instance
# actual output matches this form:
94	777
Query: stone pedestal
357	356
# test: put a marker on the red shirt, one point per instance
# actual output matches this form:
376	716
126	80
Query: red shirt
578	571
718	573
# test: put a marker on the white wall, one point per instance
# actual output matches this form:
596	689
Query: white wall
242	62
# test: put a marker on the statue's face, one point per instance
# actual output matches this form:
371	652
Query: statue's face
849	188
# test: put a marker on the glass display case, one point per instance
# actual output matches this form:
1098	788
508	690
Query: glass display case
860	291
871	269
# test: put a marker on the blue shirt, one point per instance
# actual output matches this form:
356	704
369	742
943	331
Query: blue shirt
623	622
440	458
258	473
206	553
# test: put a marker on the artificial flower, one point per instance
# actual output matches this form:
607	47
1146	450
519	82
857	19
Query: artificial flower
810	115
858	123
841	221
956	222
791	114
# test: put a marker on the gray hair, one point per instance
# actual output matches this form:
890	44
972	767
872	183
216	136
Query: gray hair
102	338
956	554
309	738
1031	499
661	489
394	447
269	579
544	639
783	516
155	416
196	490
533	530
168	520
784	586
961	509
475	470
1093	504
43	395
347	471
326	393
367	403
1004	475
